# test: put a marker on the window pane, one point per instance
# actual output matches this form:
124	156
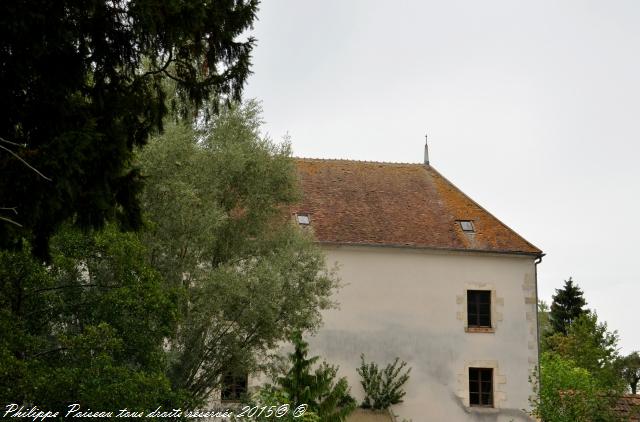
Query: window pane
479	308
485	399
467	226
474	398
233	386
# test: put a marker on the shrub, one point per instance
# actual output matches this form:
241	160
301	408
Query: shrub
383	388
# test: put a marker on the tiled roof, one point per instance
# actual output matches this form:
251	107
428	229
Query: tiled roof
628	408
395	204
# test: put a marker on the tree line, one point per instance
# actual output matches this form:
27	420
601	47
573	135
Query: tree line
145	245
216	277
582	374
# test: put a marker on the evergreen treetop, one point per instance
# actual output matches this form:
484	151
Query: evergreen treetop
325	395
568	304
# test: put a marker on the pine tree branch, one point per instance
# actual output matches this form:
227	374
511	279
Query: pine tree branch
162	69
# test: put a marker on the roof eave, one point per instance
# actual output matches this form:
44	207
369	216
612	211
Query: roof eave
534	254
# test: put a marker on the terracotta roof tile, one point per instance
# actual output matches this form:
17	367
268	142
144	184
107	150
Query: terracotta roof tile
361	202
628	407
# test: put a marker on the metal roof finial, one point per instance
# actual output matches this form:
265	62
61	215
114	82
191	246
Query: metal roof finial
426	150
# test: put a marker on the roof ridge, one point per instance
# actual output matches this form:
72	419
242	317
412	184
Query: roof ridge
346	160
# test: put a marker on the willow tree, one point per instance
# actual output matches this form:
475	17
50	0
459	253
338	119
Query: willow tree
216	202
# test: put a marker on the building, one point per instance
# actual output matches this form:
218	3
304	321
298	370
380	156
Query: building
627	408
428	276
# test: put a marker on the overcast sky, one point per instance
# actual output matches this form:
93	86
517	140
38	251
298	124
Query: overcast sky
532	109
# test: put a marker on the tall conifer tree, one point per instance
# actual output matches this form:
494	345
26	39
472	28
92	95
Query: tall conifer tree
84	82
325	395
568	304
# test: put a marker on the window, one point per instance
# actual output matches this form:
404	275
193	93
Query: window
467	226
303	219
481	387
234	386
479	308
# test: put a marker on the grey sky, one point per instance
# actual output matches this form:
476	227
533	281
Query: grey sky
532	109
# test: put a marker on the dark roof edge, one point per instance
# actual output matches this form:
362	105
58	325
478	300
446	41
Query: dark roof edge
346	160
432	248
539	251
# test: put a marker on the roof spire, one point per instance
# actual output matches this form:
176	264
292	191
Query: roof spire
426	151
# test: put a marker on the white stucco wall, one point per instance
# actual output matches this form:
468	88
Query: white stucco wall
411	303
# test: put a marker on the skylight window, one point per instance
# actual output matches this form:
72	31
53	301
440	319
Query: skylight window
467	226
303	219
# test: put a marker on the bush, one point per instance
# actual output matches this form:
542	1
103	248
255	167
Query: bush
383	388
570	393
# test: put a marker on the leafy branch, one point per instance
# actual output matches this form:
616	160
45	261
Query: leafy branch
383	388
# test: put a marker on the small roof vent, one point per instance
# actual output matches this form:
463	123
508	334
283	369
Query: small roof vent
303	219
467	226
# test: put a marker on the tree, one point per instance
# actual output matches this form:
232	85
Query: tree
589	345
277	404
216	201
570	393
329	398
88	328
630	365
83	83
217	279
544	321
568	304
382	388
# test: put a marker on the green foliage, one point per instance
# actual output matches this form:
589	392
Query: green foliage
568	304
82	83
216	203
325	395
383	388
570	393
218	277
88	328
544	321
590	345
273	398
579	367
630	368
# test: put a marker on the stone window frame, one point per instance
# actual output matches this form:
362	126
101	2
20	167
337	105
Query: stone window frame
499	384
497	304
480	391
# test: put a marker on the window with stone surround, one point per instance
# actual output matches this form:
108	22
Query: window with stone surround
479	308
481	387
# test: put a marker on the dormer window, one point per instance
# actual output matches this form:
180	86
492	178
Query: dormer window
303	219
467	226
